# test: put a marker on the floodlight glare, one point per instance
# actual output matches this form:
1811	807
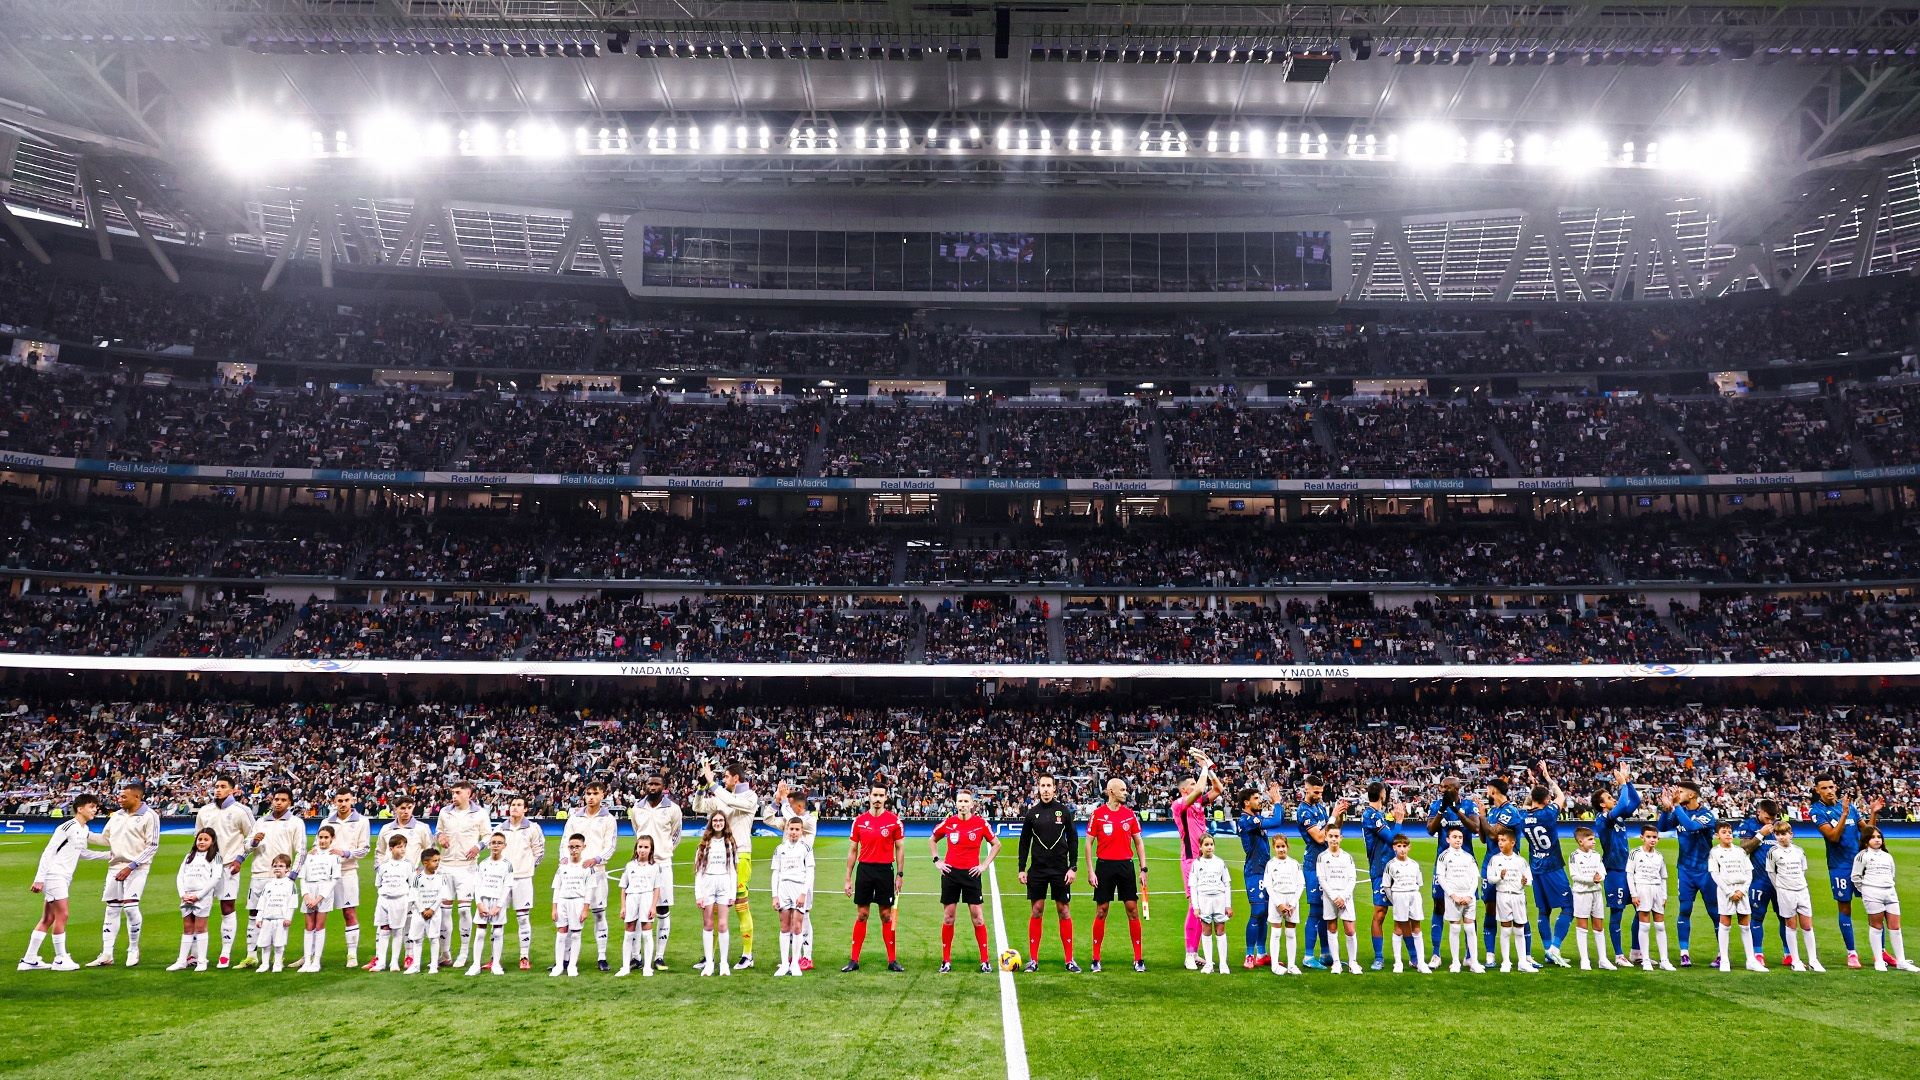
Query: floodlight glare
240	142
1581	150
1428	145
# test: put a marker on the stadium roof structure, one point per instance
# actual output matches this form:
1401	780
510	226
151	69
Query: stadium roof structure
1580	144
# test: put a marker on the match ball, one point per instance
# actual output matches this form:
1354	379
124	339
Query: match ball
1010	960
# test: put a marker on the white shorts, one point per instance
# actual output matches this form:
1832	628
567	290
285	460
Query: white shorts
229	887
480	918
632	910
665	884
271	934
571	916
1654	903
255	883
597	890
1406	907
1730	906
1510	907
789	897
325	905
346	891
56	888
1211	909
418	928
128	891
1590	905
393	914
1881	901
709	889
1787	903
1460	911
462	877
200	908
1328	911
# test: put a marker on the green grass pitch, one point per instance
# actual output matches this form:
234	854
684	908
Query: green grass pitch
1166	1023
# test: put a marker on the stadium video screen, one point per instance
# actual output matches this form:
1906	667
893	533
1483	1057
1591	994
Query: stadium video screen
1293	262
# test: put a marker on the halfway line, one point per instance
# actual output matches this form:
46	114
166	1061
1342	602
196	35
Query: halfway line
1011	1033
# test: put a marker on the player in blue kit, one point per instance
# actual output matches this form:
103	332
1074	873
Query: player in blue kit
1379	825
1755	835
1841	822
1692	823
1260	816
1552	891
1452	808
1502	813
1313	819
1610	814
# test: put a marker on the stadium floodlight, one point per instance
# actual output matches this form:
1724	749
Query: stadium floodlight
1492	148
485	140
1580	150
389	142
1716	156
1426	146
243	142
1535	149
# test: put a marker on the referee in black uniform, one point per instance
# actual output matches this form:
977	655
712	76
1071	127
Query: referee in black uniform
1049	856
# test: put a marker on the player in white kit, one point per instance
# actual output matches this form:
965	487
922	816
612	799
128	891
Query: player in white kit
198	885
572	897
1510	877
273	904
1457	876
639	904
792	872
393	906
71	842
1285	881
133	839
1647	881
462	834
418	834
1210	891
1338	878
279	832
1587	875
352	840
1875	877
231	820
1404	886
602	829
656	815
1731	869
1792	897
526	850
492	898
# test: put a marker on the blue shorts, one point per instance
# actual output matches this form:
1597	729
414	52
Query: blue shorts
1256	896
1552	890
1842	886
1619	896
1760	895
1691	882
1379	894
1312	896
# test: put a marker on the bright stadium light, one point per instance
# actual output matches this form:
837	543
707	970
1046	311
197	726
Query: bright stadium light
1492	148
1428	145
390	142
1581	150
1717	156
541	140
485	139
240	142
1535	149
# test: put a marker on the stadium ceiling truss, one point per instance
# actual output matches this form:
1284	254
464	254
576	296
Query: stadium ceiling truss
110	139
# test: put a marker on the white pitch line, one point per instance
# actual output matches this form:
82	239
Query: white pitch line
1011	1033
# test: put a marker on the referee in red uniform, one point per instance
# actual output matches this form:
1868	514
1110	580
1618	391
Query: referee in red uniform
875	873
1114	842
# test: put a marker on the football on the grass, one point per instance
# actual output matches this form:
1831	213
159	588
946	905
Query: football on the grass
1010	960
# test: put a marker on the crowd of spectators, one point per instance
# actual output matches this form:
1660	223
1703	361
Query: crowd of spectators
731	439
1103	441
1252	352
902	439
1243	634
1415	438
1587	437
62	415
1756	435
1225	441
53	748
983	631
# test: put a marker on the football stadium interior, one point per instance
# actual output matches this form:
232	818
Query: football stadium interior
1338	406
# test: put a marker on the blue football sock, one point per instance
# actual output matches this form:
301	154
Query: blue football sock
1376	946
1561	925
1613	930
1846	930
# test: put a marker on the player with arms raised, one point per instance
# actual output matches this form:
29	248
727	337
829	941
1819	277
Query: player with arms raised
1693	824
1611	813
1841	822
1189	814
1260	817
